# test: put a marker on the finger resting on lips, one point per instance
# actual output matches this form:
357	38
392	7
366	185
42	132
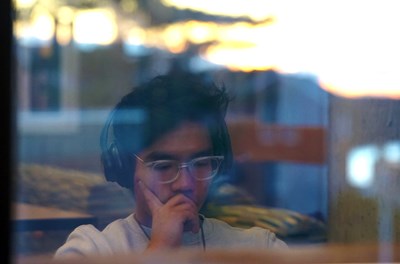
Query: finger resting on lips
185	207
181	199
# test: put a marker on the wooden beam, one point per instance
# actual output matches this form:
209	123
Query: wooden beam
253	141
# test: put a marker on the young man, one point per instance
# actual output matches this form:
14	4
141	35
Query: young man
169	140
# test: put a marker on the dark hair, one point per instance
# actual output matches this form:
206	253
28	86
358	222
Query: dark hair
154	108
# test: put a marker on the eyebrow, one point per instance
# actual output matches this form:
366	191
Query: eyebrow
159	155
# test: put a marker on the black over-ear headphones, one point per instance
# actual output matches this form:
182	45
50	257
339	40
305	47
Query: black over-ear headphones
119	165
113	158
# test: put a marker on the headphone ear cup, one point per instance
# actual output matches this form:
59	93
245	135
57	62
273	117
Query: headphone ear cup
116	157
116	166
109	163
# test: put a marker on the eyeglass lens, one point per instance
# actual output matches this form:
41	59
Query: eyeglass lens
200	168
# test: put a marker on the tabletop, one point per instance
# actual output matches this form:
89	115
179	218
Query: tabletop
29	217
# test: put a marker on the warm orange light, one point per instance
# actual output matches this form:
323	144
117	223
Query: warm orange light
238	56
255	9
136	36
200	32
20	4
352	92
65	15
63	34
174	39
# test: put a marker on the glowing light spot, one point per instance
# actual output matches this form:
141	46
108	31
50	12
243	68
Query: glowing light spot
64	34
391	152
361	165
174	39
20	4
95	26
42	25
65	15
239	56
200	32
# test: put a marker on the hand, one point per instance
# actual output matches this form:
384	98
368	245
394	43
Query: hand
170	220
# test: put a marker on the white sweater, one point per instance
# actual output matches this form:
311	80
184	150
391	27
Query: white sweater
125	236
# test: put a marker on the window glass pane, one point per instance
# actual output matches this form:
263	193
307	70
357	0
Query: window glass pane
313	122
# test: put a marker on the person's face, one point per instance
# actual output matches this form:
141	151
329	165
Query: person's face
187	141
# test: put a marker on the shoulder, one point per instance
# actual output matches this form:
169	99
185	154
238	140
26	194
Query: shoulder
119	236
84	240
222	232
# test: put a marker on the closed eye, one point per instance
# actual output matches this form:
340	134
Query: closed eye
163	165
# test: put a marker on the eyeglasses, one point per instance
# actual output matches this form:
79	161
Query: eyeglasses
167	171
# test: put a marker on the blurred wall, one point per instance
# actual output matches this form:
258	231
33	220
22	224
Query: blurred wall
367	212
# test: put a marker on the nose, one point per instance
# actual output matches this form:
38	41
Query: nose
185	181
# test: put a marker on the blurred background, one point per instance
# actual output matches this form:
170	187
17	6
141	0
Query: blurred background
315	120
